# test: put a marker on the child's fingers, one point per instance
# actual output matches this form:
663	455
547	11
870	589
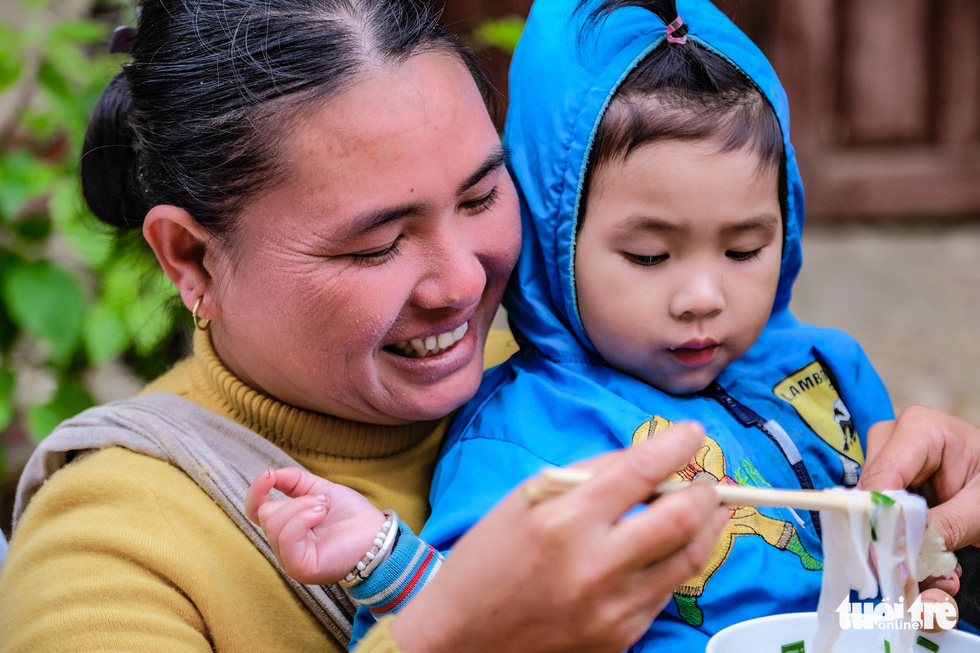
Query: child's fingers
295	482
308	558
297	528
258	493
291	481
274	516
948	584
945	611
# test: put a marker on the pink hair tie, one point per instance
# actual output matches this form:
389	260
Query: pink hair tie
677	31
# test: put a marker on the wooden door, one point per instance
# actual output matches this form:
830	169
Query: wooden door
884	98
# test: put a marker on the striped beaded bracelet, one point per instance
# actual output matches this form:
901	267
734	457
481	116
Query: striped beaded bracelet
384	541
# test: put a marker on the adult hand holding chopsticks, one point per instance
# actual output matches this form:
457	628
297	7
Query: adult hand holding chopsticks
598	579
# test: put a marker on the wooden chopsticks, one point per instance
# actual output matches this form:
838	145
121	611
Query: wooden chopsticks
554	481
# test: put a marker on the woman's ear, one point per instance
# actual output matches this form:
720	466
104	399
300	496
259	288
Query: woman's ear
180	242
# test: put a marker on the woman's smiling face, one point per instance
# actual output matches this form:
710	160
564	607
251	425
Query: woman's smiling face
364	286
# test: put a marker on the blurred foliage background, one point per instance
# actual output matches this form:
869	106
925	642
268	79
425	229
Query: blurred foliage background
81	312
85	317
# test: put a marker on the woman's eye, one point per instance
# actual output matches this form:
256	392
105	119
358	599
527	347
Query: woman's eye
642	259
742	256
481	203
376	257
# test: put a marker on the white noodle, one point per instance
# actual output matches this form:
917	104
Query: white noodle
900	529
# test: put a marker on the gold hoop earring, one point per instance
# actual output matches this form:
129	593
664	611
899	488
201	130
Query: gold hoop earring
200	322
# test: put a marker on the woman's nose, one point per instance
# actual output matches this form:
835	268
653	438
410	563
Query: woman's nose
454	276
699	295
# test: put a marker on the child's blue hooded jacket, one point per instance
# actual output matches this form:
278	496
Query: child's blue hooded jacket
793	412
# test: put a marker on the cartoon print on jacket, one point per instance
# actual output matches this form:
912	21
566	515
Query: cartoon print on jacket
708	465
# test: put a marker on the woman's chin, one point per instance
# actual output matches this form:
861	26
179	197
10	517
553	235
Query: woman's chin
437	401
433	386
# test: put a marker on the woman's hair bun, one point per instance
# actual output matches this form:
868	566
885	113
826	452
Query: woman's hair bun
108	162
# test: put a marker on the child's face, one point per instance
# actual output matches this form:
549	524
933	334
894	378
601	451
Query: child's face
678	260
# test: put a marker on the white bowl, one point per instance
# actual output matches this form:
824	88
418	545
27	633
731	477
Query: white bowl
770	634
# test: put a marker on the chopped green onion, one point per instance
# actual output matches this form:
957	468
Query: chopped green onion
882	499
794	647
926	643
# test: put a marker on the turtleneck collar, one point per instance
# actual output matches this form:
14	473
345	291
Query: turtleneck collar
292	429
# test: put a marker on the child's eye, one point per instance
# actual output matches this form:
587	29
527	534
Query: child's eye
481	203
642	259
378	256
742	256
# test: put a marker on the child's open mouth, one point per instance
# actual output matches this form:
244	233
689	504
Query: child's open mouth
695	355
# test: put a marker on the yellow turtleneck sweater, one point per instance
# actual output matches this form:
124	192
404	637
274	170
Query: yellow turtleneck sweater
123	552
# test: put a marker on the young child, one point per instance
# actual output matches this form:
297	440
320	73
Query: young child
662	216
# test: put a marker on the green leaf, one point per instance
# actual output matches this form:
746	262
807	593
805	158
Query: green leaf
121	279
70	400
53	80
134	286
8	330
105	335
23	178
148	319
503	33
47	303
33	229
90	240
11	65
6	398
81	31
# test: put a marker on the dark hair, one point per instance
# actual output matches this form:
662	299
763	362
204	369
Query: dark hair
197	118
682	91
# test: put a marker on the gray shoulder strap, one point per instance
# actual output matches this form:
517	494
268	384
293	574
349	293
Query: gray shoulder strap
222	456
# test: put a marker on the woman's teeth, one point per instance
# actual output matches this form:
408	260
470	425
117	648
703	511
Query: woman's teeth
422	347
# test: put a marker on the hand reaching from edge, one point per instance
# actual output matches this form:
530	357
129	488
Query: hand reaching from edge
320	531
938	456
935	455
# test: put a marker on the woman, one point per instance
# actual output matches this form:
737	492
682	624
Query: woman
322	182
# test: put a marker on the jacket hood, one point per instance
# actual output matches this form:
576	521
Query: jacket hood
560	86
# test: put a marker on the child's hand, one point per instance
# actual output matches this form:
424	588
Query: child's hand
321	531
